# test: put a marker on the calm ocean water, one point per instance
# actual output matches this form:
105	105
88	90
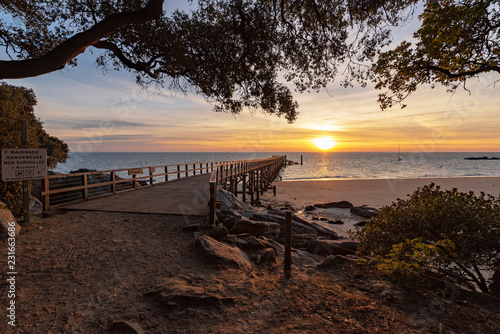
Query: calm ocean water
331	165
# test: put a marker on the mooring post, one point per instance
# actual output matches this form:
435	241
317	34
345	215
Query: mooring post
288	245
301	160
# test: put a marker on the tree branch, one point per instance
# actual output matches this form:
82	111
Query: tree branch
57	58
139	66
482	69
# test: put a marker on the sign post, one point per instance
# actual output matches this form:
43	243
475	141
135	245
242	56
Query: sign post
24	164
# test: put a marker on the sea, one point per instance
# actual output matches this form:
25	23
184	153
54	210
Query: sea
315	165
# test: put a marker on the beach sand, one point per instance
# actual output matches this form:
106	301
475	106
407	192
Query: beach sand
374	193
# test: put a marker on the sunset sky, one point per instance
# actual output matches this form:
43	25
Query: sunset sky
103	113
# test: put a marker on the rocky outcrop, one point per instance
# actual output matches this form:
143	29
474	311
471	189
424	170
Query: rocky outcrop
364	211
8	225
228	202
257	228
126	327
222	254
176	292
332	247
335	262
340	205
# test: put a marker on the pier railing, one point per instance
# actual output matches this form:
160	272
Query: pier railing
61	189
246	177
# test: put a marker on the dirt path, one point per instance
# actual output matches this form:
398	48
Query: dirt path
86	272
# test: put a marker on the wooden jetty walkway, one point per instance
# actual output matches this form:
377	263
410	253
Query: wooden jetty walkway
183	197
182	189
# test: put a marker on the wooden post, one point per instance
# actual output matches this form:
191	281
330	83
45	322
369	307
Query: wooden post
26	183
85	191
166	173
134	180
257	183
212	203
151	171
194	169
244	186
178	172
113	185
252	185
46	198
288	245
301	160
187	170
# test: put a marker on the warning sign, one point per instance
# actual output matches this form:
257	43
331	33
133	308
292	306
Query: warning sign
19	164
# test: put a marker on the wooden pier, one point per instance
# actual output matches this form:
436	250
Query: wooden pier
171	189
248	178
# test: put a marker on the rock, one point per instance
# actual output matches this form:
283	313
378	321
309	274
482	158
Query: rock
334	261
263	256
302	226
335	222
332	247
300	258
36	207
126	327
8	225
301	241
223	254
179	293
310	208
229	202
257	228
340	205
196	228
304	259
218	232
364	211
361	223
247	241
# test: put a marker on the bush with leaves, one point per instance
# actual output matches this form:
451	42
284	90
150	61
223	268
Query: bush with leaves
449	232
16	104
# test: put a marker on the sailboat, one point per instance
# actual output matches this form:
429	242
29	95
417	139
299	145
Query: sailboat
399	155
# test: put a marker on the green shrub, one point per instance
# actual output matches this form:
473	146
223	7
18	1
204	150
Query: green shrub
449	232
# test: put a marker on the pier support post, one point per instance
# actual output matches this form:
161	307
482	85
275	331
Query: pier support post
212	203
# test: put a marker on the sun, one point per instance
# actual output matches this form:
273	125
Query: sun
324	143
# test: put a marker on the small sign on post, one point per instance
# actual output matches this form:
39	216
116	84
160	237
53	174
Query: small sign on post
135	171
22	164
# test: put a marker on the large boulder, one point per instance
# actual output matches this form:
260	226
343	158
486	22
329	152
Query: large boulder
229	202
179	293
8	225
364	211
257	228
223	254
332	247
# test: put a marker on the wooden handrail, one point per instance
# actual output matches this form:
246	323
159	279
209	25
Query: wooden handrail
82	185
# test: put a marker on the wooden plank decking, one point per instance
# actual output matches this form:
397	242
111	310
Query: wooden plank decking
188	196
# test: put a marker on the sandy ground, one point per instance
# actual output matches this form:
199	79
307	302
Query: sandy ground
375	193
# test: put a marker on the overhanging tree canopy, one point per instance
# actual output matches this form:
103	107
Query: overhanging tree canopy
231	52
458	40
